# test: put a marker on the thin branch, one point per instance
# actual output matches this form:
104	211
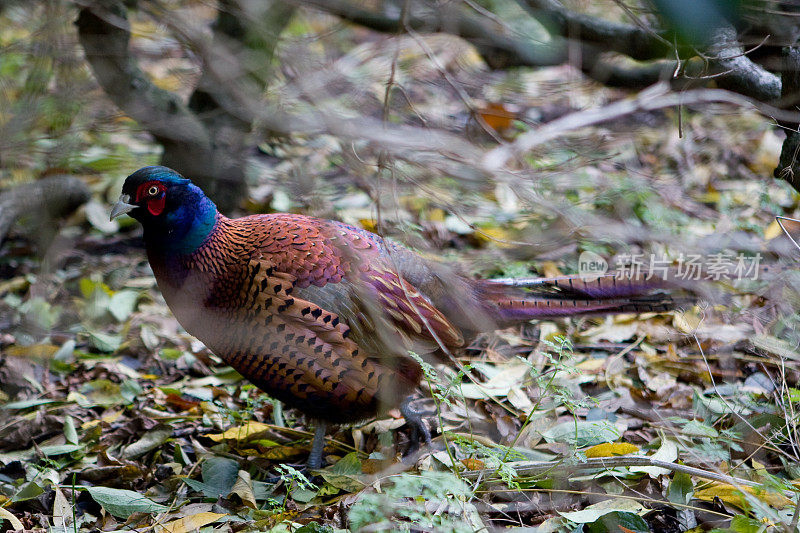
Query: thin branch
657	97
534	468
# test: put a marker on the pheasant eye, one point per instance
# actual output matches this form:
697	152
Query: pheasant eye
153	190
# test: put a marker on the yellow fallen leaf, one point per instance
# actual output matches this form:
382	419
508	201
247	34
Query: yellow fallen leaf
145	29
591	366
548	331
437	215
610	449
550	270
189	523
497	236
243	488
473	464
108	418
369	224
734	495
34	351
284	453
611	332
18	284
168	83
240	432
773	230
710	197
687	321
764	155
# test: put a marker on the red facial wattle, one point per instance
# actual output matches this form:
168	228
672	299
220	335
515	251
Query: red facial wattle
155	204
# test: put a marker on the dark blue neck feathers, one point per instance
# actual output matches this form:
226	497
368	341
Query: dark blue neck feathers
189	219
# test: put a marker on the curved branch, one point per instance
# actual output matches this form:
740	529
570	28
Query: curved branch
738	73
789	165
730	68
104	33
632	41
612	74
498	50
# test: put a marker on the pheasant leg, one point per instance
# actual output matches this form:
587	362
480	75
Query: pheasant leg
315	458
419	429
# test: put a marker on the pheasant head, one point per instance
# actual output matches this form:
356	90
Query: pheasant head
176	215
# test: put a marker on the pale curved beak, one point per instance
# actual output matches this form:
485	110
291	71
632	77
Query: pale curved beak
122	206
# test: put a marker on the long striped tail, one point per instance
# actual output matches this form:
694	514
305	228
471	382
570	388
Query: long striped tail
519	300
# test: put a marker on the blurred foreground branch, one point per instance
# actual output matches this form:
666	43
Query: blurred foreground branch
208	137
604	49
50	199
571	467
657	97
203	138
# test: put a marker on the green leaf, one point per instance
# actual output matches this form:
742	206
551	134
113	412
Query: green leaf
680	489
123	503
695	428
220	473
794	395
743	524
65	354
148	442
611	523
105	342
304	495
103	392
179	455
40	312
349	465
27	492
593	512
25	404
207	490
583	433
170	354
130	389
69	430
344	475
122	304
60	449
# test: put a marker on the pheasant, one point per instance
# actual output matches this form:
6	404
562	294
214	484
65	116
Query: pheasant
322	315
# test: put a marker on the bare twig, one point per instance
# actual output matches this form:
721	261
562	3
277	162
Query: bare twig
657	97
535	468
